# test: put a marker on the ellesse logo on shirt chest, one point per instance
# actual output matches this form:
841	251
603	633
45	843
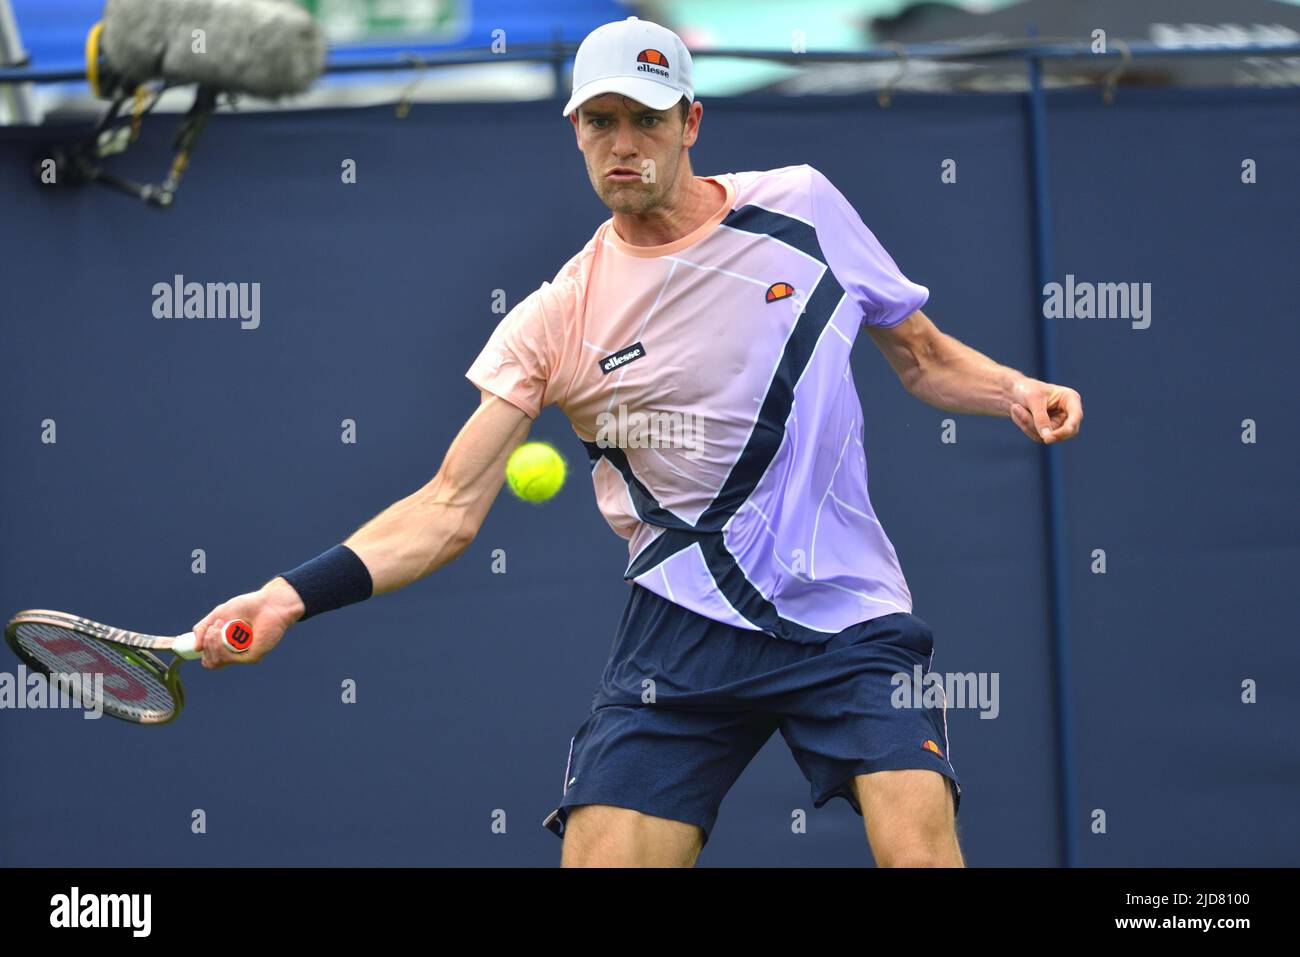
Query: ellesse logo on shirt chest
621	358
778	291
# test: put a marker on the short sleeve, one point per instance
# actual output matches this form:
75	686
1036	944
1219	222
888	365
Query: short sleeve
517	362
858	261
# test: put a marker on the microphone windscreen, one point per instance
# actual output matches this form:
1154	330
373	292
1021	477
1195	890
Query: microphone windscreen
267	48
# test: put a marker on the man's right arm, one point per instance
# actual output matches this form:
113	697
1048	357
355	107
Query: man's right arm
427	529
411	538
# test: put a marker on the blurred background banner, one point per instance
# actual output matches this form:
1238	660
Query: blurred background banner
54	34
55	30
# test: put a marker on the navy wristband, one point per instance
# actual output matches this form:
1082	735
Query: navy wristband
330	580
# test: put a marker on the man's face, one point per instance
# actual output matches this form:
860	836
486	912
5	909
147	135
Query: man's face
632	152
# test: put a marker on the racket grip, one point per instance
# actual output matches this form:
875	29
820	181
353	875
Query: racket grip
184	646
236	635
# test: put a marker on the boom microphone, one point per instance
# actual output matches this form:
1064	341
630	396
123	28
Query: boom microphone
266	48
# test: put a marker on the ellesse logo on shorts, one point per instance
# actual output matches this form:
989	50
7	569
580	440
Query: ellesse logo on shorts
621	358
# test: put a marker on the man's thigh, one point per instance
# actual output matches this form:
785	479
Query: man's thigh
601	835
910	818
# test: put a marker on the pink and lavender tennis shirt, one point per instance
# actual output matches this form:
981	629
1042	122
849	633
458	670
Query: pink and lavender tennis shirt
709	380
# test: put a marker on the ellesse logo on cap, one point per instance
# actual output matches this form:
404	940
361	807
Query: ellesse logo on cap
621	358
652	61
779	290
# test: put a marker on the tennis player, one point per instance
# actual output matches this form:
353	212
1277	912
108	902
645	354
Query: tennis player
718	313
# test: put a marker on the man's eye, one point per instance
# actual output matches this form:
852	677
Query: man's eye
650	119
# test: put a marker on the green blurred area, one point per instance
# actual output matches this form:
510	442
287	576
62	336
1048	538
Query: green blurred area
350	21
769	25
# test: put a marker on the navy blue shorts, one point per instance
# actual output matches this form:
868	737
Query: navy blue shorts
685	703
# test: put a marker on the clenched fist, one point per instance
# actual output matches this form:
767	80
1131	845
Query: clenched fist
1045	412
270	610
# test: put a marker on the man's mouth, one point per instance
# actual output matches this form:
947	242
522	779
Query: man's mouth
622	174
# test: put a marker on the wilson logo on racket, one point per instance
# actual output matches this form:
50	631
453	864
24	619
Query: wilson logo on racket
931	746
238	635
778	291
87	657
652	61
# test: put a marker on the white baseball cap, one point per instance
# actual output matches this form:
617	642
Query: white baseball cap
634	57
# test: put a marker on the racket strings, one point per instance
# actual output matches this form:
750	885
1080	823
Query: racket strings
131	688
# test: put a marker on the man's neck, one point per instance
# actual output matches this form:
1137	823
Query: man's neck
695	206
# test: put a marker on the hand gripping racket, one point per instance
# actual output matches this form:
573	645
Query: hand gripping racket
138	685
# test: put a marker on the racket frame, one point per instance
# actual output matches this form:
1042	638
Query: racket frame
142	648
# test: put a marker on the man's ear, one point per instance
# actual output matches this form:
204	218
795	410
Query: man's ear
689	134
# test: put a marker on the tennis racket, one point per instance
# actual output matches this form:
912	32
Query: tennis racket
138	685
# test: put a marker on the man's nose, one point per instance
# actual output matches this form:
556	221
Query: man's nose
625	141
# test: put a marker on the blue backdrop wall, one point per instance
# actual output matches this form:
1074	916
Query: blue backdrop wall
175	436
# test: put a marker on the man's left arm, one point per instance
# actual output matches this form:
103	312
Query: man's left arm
948	374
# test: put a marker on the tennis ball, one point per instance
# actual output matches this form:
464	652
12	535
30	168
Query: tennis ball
535	471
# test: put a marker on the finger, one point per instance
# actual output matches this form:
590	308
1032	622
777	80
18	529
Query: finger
1072	414
222	654
1020	416
1024	421
212	647
200	629
1058	412
1042	421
